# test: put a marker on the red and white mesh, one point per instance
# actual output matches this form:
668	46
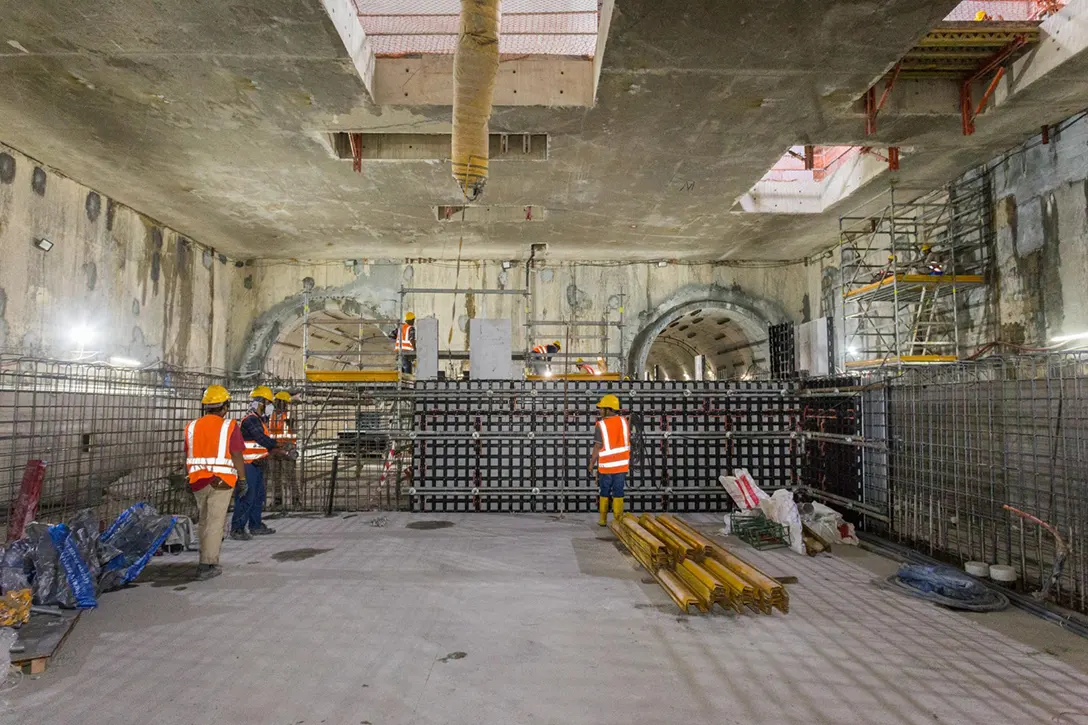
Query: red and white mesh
1007	10
528	27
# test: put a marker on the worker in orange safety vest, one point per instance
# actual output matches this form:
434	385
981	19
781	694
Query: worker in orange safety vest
540	357
214	460
611	456
285	489
404	338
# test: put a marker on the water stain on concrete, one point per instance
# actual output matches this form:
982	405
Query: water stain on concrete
7	168
429	525
37	181
168	575
298	554
453	656
93	205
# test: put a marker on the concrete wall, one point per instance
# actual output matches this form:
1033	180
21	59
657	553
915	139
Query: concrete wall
271	297
142	291
1041	197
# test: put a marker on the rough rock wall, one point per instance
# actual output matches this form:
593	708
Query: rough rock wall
1041	218
116	282
270	307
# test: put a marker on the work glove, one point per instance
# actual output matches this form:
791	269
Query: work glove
240	489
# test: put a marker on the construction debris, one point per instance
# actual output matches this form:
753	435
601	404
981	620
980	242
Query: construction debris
694	570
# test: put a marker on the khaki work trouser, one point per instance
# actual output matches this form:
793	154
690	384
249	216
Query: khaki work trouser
284	486
212	504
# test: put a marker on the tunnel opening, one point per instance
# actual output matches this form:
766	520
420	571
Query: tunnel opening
727	350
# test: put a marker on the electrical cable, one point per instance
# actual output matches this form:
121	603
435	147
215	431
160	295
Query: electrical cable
948	587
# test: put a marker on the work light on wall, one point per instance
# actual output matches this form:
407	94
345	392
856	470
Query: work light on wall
43	244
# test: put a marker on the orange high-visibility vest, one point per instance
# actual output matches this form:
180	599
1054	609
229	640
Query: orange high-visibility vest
540	349
280	429
404	339
588	369
615	455
209	449
255	451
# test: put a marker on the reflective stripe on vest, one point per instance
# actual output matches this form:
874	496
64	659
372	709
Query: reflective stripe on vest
615	455
588	369
280	430
404	339
540	349
255	451
209	449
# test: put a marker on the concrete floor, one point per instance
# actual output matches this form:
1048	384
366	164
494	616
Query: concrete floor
522	619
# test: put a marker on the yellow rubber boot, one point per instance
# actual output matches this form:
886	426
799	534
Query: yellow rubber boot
617	508
602	504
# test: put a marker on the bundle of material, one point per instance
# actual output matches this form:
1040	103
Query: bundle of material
648	549
770	594
694	570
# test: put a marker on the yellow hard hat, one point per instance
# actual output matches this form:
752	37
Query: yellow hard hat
215	395
284	396
409	317
609	401
579	360
557	345
980	15
926	247
262	391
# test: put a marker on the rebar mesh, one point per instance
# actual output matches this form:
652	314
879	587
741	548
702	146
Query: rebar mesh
969	438
110	436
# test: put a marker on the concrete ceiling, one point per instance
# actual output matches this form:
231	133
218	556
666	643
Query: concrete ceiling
212	115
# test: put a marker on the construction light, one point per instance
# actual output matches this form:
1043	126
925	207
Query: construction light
1070	338
82	335
124	362
43	244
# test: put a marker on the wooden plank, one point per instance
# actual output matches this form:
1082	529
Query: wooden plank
41	637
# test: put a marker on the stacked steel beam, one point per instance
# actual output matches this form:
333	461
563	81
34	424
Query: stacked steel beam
694	570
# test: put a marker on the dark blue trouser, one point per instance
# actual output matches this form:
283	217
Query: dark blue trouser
248	508
611	484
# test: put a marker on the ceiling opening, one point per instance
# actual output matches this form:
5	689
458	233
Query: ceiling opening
811	179
399	28
549	50
1004	10
727	350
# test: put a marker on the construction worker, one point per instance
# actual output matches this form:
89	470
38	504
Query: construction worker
930	263
285	490
259	446
586	368
611	456
404	338
541	357
983	17
214	460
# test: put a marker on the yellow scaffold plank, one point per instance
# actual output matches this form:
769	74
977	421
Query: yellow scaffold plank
353	376
928	280
904	360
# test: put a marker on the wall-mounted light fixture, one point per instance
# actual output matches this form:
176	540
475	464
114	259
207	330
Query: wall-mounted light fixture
43	244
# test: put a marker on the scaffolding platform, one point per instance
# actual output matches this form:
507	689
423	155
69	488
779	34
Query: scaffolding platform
909	287
902	360
352	376
574	376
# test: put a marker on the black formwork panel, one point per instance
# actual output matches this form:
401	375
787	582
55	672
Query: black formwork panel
524	446
833	467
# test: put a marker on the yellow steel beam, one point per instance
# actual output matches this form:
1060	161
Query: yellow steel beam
904	360
676	589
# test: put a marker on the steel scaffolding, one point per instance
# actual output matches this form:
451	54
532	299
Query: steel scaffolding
907	272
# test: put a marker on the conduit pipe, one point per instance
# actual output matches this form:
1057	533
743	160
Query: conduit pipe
475	66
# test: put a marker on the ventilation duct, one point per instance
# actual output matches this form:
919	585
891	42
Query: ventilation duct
475	66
